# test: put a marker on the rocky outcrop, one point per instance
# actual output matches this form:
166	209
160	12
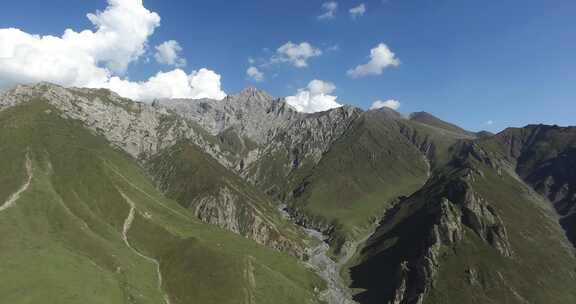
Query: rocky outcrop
447	231
225	210
136	128
420	229
424	142
296	148
252	114
215	195
415	277
139	129
478	215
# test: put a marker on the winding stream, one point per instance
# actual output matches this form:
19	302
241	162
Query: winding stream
337	291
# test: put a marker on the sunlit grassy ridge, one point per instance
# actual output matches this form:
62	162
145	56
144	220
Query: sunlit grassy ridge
366	169
63	239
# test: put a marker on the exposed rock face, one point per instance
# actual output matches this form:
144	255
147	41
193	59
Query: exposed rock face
219	209
276	129
225	210
416	277
217	196
419	229
478	215
300	144
424	142
311	136
252	114
138	128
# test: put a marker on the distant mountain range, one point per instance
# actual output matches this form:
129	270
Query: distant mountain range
245	200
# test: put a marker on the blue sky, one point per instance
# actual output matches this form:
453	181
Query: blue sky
468	62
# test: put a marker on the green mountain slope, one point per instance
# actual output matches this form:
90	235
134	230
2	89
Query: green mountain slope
367	168
431	121
468	236
90	227
217	196
379	158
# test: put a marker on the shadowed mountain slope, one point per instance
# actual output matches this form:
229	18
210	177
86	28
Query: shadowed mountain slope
468	236
544	157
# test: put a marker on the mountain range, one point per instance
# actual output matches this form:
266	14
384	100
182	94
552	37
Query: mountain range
245	200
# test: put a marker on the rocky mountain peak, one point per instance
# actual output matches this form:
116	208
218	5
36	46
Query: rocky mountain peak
252	93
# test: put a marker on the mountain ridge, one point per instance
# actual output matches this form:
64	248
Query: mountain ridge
358	177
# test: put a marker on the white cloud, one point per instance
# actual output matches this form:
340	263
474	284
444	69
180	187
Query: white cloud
98	58
255	74
203	83
314	98
296	54
169	53
381	57
333	48
318	87
489	122
329	10
390	103
357	11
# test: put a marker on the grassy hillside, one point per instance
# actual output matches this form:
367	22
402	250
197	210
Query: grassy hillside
433	122
370	166
91	228
216	195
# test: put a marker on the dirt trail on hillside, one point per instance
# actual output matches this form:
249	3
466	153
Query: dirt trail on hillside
16	195
125	229
141	190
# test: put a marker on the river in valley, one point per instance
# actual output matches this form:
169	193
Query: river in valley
337	291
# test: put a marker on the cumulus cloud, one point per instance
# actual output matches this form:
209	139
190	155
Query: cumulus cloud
390	103
97	58
314	98
296	54
381	57
329	10
255	74
169	53
199	84
357	11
